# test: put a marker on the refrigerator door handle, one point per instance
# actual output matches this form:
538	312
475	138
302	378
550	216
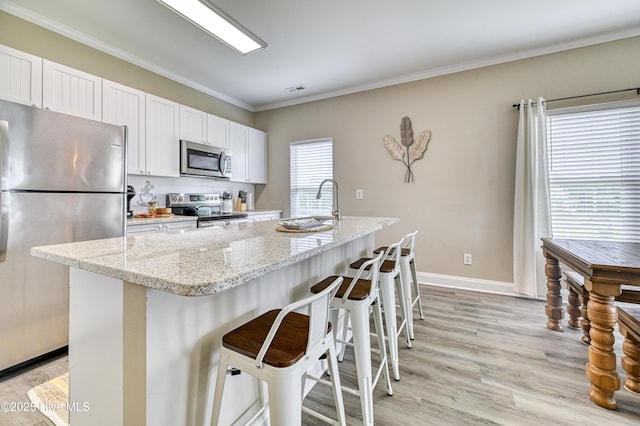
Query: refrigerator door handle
4	155
4	224
4	185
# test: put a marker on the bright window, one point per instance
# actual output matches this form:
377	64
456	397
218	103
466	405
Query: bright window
594	172
311	163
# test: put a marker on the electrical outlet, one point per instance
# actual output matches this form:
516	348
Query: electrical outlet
359	194
467	259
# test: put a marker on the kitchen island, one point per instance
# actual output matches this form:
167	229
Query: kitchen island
147	312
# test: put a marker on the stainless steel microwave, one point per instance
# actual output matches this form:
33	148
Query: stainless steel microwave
197	159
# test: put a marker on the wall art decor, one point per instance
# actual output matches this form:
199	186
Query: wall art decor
408	150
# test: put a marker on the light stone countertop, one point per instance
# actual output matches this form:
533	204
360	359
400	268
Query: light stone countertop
206	261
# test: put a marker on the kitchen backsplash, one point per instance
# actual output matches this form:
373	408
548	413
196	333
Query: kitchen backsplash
160	187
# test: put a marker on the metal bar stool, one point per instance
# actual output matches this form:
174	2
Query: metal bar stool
409	278
390	274
359	297
279	347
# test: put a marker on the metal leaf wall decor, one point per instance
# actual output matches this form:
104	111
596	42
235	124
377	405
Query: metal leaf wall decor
408	150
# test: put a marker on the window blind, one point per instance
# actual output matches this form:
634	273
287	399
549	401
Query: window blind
311	163
594	172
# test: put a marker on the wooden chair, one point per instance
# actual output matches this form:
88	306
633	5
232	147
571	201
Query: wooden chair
279	347
629	326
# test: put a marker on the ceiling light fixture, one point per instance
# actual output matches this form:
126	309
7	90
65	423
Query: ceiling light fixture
211	19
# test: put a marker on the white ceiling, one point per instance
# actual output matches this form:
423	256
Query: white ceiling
332	47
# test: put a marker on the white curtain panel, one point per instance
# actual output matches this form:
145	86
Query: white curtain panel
531	219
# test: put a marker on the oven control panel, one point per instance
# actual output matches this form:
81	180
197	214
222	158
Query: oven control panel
183	199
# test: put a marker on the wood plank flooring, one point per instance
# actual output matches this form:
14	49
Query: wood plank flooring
480	358
477	358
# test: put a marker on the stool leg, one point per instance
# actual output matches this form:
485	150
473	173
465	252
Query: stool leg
345	329
389	305
335	382
220	381
285	400
362	353
416	288
404	315
377	319
406	281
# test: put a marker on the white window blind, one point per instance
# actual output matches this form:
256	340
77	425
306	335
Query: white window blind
594	172
311	163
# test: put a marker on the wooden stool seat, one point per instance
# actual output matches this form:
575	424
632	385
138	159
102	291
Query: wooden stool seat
403	252
629	326
386	266
288	345
360	291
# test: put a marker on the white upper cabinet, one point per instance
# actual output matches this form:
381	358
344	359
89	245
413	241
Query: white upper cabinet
193	124
257	156
162	129
122	105
248	154
20	77
238	144
71	91
218	132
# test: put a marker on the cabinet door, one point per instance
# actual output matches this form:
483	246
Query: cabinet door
256	156
71	91
163	145
218	132
152	228
180	226
238	144
20	77
123	105
193	124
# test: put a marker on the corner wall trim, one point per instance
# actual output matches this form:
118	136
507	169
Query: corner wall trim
472	284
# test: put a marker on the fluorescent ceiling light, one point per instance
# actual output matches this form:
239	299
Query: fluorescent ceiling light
210	18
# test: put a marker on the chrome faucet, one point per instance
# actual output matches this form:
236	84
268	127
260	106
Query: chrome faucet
335	212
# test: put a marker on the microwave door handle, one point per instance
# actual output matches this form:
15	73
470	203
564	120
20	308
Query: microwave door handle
222	162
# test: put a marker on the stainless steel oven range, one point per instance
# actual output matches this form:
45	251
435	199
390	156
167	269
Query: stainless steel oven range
205	206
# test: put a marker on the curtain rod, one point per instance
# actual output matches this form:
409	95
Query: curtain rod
637	89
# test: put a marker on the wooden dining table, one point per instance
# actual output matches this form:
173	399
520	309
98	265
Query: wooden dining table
605	266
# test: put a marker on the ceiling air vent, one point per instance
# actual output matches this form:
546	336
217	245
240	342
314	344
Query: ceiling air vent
294	89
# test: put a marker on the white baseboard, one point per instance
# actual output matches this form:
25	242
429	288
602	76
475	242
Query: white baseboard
472	284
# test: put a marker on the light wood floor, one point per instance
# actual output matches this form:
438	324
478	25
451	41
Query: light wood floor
476	359
486	359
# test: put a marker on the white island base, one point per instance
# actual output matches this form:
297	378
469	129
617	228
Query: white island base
143	356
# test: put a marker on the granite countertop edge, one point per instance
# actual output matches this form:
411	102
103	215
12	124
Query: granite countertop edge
92	264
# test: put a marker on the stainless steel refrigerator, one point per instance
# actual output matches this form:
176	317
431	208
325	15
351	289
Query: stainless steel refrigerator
62	179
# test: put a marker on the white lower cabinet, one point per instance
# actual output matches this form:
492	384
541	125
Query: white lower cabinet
259	217
153	228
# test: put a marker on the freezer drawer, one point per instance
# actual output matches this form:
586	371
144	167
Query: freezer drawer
34	293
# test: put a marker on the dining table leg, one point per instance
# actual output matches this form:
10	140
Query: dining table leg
553	308
601	367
